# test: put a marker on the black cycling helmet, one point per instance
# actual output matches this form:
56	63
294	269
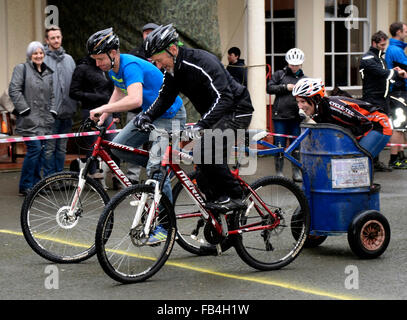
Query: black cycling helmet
160	39
102	42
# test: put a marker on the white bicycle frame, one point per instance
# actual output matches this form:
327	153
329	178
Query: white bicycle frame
141	203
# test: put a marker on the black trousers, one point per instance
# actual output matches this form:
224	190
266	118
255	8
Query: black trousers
214	177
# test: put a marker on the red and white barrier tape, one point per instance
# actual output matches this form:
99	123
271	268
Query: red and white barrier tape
55	136
95	133
294	137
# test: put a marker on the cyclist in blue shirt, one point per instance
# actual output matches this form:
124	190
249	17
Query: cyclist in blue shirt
137	83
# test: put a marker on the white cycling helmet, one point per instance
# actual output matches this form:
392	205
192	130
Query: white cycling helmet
295	56
308	88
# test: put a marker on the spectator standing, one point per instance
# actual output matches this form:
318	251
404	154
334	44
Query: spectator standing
237	67
31	91
396	57
376	78
286	119
63	66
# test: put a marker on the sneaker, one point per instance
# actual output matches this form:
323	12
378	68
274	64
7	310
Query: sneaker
381	167
158	235
225	204
398	165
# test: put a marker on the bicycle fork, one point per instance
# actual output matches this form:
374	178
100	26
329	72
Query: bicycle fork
141	204
76	199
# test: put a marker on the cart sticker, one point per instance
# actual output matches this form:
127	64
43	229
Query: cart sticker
350	173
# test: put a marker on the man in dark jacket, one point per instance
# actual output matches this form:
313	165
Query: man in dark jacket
286	119
237	67
222	102
377	79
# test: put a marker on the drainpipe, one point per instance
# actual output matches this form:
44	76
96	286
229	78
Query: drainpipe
256	53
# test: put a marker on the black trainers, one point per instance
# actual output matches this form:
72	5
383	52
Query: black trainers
225	204
381	167
398	165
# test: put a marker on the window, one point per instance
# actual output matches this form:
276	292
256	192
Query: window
280	31
346	39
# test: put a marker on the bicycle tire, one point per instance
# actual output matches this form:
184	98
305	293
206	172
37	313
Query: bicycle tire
43	218
142	260
276	248
184	205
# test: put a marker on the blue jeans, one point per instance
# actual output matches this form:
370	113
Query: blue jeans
55	150
131	137
33	160
374	142
288	127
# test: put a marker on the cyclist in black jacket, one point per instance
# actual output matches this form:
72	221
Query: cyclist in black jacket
222	102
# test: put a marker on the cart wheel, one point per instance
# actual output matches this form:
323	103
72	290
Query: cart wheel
369	234
312	241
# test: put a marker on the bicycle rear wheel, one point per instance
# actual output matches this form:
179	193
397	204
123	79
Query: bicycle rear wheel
191	224
46	226
125	254
274	247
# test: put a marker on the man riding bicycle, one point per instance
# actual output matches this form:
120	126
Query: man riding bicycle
137	83
222	102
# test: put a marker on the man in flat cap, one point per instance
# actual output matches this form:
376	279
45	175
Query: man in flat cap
139	52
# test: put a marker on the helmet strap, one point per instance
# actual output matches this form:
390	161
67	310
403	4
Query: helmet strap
112	62
173	56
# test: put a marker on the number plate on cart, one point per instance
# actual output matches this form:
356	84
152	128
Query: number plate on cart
350	173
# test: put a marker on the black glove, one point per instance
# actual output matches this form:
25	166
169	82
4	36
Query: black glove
143	122
193	132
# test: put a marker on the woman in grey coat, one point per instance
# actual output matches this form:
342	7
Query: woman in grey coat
32	94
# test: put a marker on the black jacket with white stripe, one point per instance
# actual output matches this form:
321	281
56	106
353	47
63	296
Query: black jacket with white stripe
376	77
201	77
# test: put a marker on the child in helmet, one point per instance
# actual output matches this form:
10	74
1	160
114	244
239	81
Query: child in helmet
285	111
367	122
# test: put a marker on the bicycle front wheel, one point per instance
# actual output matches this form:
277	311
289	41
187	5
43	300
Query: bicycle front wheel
265	240
127	254
49	230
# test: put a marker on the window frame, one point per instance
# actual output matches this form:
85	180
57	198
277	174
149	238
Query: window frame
273	20
366	43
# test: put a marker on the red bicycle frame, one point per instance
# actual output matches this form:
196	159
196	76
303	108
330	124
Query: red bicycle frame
181	175
98	150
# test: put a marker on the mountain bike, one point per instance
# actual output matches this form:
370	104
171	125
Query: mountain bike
138	228
59	216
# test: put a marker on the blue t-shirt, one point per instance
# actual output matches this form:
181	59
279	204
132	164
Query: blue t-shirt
133	70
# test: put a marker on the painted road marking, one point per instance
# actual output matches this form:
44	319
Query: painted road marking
284	285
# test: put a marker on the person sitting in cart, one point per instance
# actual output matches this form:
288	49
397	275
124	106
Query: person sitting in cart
367	122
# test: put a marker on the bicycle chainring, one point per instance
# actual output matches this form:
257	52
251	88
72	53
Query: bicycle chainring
211	235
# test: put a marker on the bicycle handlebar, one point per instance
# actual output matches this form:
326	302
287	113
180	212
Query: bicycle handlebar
90	124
